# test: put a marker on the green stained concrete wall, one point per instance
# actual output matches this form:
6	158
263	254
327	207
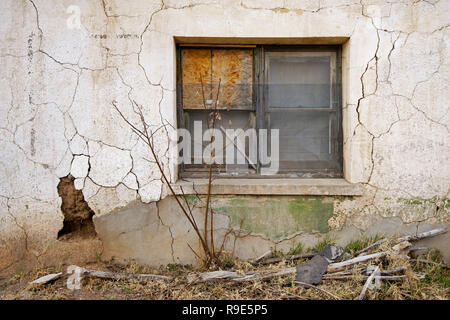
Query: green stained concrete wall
276	217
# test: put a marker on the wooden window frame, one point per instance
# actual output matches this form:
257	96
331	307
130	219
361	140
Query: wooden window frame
260	73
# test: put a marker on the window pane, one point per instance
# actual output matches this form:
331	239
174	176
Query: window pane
228	120
304	136
297	80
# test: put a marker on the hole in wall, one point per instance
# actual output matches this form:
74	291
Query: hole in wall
77	213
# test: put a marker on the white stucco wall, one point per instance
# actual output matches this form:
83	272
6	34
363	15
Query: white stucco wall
58	85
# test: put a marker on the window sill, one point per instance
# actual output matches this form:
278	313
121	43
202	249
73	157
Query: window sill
311	187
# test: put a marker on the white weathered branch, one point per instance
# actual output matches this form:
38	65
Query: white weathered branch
121	276
423	235
368	282
333	267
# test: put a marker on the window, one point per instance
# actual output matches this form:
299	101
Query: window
289	95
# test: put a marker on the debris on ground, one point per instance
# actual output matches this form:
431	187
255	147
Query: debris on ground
384	271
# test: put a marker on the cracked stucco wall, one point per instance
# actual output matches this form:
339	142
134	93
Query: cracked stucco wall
58	84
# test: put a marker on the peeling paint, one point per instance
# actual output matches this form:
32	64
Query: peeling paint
276	217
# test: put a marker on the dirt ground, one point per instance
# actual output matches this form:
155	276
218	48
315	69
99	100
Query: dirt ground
435	284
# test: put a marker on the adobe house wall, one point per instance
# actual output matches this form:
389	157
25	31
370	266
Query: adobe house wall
57	119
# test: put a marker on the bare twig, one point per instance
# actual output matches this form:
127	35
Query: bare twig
373	245
147	139
263	256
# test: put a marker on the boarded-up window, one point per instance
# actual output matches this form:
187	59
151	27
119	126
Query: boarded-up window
293	89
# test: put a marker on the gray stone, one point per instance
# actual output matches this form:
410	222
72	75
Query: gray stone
331	252
312	271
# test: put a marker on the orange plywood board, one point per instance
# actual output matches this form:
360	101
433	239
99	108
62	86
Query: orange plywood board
196	68
232	67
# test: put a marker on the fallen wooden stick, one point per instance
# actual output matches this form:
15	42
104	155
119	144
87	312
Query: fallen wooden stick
363	271
423	235
333	267
291	257
373	245
386	272
120	276
393	278
214	275
368	282
48	278
234	276
420	236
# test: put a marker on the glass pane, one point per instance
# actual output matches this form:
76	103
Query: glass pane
299	80
304	136
228	120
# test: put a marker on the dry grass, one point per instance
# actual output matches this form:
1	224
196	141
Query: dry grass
435	284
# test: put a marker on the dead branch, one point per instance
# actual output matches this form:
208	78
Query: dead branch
263	256
373	245
423	235
147	139
121	276
333	267
420	236
47	278
287	258
233	276
368	282
392	278
214	275
364	271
